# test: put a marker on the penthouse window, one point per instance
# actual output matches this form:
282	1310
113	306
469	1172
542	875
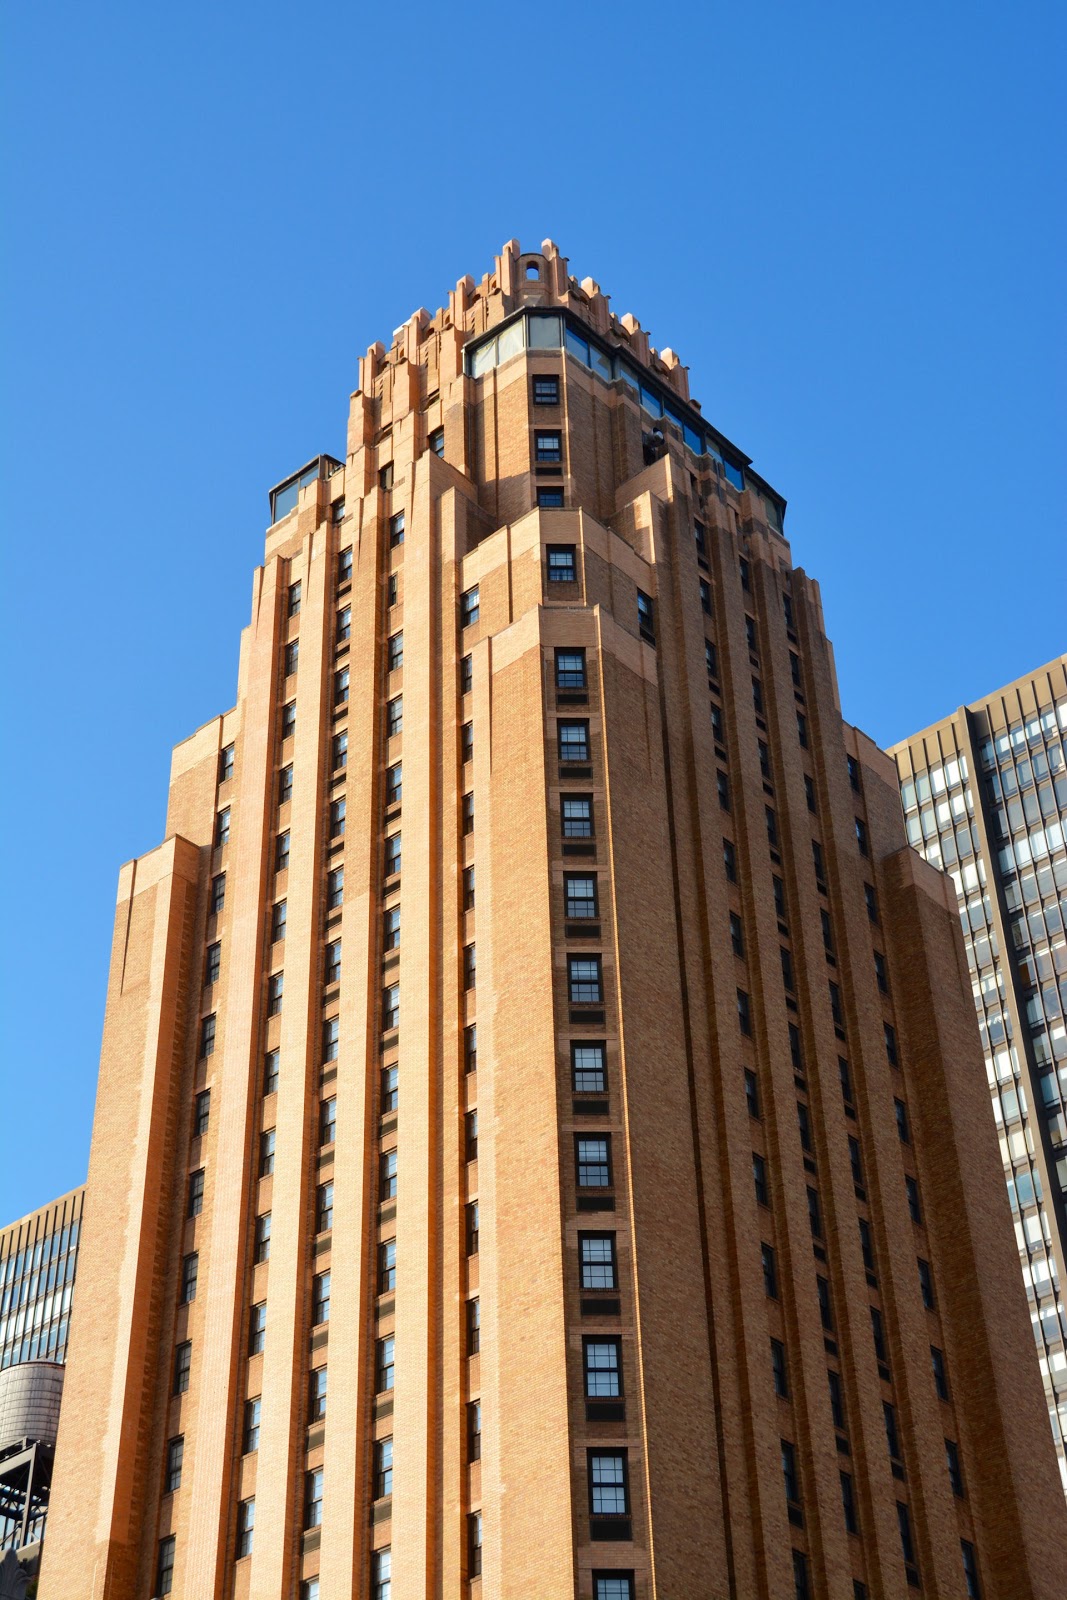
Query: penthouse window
562	566
573	741
580	896
584	980
570	669
548	447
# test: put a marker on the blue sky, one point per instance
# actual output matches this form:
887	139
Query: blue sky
846	219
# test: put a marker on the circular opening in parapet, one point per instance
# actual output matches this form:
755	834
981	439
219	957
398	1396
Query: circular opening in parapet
532	269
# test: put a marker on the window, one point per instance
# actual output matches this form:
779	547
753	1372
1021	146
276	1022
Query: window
717	730
856	1162
550	499
436	441
384	1364
804	1124
381	1570
794	668
190	1270
474	1544
759	1176
468	888
474	1326
746	574
332	964
271	1063
392	589
796	1052
809	791
257	1328
392	855
744	1014
246	1523
470	1047
802	732
383	1468
729	859
814	1213
387	1266
548	446
390	1089
937	1362
877	1321
817	861
787	969
912	1189
275	990
778	1369
165	1566
467	814
474	1431
880	973
250	1432
313	1498
277	921
391	928
266	1152
183	1361
562	567
394	716
835	1006
261	1251
757	696
281	851
871	901
396	530
218	893
344	624
848	1503
853	773
861	836
700	540
576	811
770	1271
955	1471
469	607
320	1298
172	1476
752	1093
466	674
926	1284
331	1038
470	966
906	1543
608	1488
341	682
603	1368
196	1193
891	1044
222	826
596	1255
570	669
466	742
573	741
646	616
202	1112
866	1245
580	896
772	827
705	606
471	1227
545	390
387	1175
317	1394
588	1071
790	1477
892	1436
801	1585
593	1162
826	1316
837	1400
226	763
711	660
291	662
295	590
584	980
344	565
285	784
335	888
722	786
394	784
613	1585
787	610
309	1589
970	1570
324	1208
339	751
328	1121
470	1129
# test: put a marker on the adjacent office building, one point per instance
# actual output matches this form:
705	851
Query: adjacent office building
985	800
38	1262
540	1145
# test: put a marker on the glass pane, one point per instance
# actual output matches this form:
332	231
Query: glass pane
734	475
285	500
629	378
510	341
600	363
576	346
650	402
692	439
483	358
543	333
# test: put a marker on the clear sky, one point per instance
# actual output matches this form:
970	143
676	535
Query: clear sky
846	219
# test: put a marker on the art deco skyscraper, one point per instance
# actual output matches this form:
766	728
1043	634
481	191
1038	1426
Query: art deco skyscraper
985	799
541	1147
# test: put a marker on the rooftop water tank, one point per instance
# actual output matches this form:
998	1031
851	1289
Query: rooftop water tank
30	1393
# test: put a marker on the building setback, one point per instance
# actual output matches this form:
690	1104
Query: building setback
985	799
540	1147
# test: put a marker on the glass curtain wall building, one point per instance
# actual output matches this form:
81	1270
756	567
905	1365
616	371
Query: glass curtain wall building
985	800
